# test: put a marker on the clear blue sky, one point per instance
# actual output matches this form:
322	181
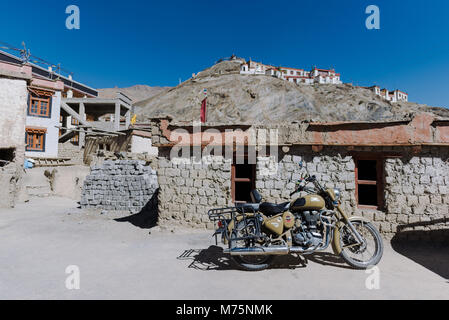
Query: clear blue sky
122	43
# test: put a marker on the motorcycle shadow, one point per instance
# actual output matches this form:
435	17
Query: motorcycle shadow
213	258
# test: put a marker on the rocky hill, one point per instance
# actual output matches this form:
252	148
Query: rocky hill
236	98
135	93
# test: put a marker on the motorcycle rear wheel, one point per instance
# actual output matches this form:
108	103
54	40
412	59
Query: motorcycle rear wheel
361	256
256	265
248	263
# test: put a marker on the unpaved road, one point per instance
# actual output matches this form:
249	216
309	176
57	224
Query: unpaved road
118	260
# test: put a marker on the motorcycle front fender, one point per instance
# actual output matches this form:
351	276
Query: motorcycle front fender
336	247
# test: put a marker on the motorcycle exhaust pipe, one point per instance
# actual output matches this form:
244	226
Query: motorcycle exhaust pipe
257	251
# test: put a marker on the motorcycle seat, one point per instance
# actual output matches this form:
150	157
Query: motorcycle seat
271	209
247	207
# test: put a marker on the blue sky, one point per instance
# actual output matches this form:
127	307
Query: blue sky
122	43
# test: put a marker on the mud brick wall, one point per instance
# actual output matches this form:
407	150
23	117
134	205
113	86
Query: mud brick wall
122	185
189	190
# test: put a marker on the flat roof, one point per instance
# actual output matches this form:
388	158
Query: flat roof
42	72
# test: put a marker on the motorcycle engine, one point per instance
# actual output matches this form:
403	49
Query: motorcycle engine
308	231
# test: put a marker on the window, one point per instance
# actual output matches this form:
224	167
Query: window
35	139
39	104
369	182
75	139
242	182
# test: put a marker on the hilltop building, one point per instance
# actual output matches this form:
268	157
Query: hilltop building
315	75
393	96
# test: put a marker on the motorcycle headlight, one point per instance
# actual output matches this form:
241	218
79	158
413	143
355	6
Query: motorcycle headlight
337	194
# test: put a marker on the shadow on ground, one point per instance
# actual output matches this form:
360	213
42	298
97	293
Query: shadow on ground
147	217
213	258
429	248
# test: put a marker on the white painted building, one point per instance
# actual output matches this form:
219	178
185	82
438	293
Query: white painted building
274	72
294	75
252	67
42	119
45	90
393	96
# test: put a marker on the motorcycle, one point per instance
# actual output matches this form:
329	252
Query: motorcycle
257	232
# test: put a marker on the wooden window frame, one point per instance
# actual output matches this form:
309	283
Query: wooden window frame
74	121
37	135
40	98
379	158
234	179
75	139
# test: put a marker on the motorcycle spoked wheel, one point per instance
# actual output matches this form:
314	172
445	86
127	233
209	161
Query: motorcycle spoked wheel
365	255
249	263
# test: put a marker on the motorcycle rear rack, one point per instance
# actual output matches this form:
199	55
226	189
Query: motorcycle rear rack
225	216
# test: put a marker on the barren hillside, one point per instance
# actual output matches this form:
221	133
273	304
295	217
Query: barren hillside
258	98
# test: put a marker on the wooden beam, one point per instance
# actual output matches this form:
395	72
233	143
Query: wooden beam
74	114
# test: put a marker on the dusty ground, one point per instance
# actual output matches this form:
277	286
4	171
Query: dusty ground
120	260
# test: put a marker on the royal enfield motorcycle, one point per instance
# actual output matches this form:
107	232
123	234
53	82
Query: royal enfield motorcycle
257	232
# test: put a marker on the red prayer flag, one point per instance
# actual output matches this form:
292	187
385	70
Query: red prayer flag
203	110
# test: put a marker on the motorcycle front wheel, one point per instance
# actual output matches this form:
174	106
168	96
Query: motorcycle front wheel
365	255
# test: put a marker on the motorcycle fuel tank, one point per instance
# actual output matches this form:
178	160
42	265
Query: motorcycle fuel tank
275	224
308	202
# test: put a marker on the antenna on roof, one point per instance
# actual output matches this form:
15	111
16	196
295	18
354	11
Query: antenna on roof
25	53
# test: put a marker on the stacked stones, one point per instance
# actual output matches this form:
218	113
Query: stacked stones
122	185
189	190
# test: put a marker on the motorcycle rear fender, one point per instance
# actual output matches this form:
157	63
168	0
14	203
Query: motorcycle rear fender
336	240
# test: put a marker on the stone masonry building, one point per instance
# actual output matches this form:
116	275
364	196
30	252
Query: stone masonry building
394	173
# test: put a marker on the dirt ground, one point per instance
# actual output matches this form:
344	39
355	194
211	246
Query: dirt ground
123	260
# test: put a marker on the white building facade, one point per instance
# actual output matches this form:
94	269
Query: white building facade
294	75
42	119
393	96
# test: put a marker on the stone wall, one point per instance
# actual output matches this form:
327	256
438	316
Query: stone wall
72	151
121	185
13	104
416	188
189	190
331	169
417	195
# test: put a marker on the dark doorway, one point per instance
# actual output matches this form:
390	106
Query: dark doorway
243	177
369	182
